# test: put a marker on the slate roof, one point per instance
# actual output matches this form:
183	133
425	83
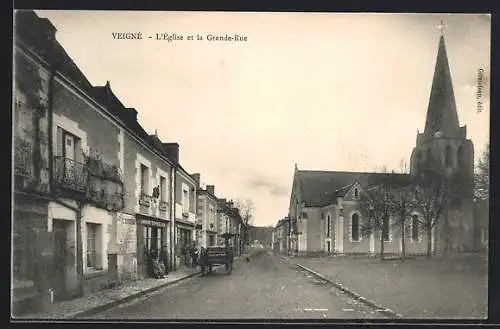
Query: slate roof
320	188
442	111
38	34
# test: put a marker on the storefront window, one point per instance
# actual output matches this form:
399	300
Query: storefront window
153	237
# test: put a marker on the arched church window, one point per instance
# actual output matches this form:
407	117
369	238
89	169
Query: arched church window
355	227
461	157
447	157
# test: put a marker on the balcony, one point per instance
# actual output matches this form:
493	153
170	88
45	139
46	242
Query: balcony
102	170
70	175
23	158
163	206
144	199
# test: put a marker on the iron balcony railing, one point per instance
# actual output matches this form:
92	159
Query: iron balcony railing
23	158
163	205
144	199
70	174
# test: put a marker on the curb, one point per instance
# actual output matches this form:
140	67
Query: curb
285	259
104	307
383	310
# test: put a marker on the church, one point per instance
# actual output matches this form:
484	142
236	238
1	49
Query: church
325	207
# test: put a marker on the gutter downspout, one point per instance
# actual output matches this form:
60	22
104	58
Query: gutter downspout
172	217
50	111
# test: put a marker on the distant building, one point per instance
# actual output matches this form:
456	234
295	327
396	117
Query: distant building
207	215
281	237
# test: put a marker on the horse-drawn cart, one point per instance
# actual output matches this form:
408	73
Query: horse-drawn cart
216	255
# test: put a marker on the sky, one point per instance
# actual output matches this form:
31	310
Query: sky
325	91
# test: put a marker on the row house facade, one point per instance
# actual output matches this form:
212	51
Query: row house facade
230	226
207	215
144	228
281	236
184	213
95	195
68	185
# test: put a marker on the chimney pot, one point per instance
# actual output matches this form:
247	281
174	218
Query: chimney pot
211	189
131	113
196	177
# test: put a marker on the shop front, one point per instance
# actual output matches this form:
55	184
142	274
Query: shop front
152	241
184	242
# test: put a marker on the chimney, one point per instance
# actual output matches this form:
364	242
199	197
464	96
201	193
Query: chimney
196	177
172	150
49	30
37	32
211	189
130	113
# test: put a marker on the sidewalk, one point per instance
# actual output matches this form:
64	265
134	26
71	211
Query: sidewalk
109	298
455	287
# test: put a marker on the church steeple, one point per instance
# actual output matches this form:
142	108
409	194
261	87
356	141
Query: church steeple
442	114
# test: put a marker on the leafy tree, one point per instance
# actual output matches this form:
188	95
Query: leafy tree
246	209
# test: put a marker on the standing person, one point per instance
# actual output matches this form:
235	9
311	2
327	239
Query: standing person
187	254
194	255
165	259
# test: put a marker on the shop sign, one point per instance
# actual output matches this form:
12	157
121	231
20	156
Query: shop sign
149	222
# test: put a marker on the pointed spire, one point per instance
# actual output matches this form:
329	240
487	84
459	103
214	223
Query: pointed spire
441	112
156	133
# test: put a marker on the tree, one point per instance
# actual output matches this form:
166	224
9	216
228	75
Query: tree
377	209
402	208
433	191
482	176
246	209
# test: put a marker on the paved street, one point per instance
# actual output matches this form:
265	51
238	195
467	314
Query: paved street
266	287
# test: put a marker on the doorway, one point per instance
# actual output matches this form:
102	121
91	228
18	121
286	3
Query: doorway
60	229
329	246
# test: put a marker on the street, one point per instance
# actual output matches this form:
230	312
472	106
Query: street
266	287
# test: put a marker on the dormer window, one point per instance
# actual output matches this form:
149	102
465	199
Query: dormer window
356	193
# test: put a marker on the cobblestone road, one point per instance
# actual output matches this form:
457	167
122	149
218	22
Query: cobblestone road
265	287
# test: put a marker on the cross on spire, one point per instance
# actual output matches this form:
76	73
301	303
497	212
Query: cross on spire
441	27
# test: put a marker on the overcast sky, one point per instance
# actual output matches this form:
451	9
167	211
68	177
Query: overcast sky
325	91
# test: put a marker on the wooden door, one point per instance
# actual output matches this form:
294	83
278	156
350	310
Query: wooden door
60	258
